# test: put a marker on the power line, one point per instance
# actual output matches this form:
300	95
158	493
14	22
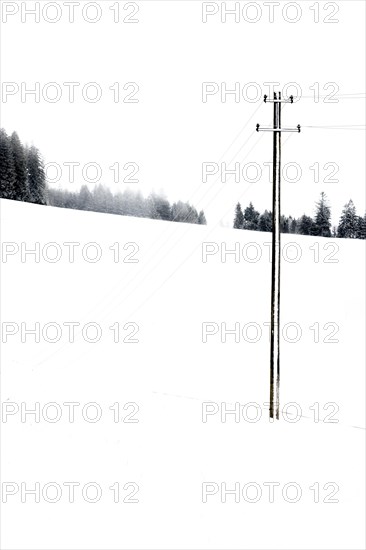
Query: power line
340	127
332	99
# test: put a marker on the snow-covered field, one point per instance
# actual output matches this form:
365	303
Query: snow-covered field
160	292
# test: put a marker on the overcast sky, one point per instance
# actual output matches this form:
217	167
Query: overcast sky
169	53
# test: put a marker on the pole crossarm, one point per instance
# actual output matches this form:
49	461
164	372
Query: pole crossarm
278	100
276	129
268	129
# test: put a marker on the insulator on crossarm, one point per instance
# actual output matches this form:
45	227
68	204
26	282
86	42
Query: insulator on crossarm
257	128
265	99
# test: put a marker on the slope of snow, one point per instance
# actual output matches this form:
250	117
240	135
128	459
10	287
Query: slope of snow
168	293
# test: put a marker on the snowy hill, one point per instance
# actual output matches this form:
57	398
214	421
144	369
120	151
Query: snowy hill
169	286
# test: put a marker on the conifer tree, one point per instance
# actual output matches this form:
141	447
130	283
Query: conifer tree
141	207
348	227
361	227
321	227
202	218
284	224
265	221
305	225
21	192
7	168
251	218
85	198
151	208
239	217
180	211
293	225
36	177
118	203
163	207
192	216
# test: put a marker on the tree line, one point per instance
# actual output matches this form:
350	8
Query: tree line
126	203
22	178
350	225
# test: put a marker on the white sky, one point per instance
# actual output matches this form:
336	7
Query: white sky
169	53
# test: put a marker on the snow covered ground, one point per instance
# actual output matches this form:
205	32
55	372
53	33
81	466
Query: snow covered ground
168	289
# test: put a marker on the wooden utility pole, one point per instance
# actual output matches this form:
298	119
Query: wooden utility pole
274	400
